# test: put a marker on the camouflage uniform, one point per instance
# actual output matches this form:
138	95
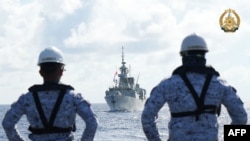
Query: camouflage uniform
175	93
72	104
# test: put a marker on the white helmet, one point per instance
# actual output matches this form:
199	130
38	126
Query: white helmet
51	54
193	42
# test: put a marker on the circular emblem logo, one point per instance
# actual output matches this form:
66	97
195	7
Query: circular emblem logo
229	21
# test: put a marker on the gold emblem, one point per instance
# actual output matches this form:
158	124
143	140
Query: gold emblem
229	21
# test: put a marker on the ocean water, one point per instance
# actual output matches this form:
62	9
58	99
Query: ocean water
118	126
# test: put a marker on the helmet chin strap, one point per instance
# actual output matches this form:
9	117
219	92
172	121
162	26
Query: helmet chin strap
193	61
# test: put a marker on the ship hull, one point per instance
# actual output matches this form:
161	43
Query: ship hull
124	103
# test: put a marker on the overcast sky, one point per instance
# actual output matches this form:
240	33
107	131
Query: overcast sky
91	34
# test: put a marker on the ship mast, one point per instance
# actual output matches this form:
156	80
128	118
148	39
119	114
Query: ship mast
123	63
123	68
123	75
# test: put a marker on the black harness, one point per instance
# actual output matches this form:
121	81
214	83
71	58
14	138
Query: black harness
201	108
48	125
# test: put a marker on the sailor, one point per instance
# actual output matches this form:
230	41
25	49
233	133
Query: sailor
194	94
51	107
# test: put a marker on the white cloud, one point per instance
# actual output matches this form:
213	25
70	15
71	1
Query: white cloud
58	9
130	21
20	34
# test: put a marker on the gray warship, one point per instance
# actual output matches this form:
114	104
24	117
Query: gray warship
126	94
